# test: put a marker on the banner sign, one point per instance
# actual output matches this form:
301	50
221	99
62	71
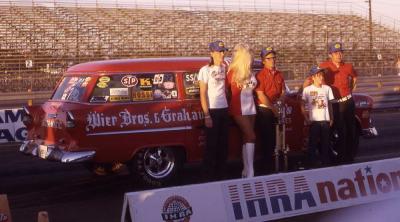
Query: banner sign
268	197
11	127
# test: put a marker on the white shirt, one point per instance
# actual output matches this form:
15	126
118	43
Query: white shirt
316	99
214	77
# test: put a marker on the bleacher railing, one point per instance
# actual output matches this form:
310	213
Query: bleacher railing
40	39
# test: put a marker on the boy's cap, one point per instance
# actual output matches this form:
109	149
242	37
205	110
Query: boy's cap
314	70
266	51
336	47
217	46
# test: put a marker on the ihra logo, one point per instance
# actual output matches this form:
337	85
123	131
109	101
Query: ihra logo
176	209
263	198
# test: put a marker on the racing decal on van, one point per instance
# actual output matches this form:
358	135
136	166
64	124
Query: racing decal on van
191	83
104	79
102	85
145	83
158	79
119	94
174	93
129	81
103	82
125	119
142	95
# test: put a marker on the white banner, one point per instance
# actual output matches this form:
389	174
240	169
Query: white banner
11	127
268	197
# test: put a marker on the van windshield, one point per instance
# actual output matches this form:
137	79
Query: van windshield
71	88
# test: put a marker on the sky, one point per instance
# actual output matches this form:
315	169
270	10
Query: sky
384	11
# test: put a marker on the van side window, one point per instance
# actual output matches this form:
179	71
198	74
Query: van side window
71	88
191	84
163	86
110	89
135	87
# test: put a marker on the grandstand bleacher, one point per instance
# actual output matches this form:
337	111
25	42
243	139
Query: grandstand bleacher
56	37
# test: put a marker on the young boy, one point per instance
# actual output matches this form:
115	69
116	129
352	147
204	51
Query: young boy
318	98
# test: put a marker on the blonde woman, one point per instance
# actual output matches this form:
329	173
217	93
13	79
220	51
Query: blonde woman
241	83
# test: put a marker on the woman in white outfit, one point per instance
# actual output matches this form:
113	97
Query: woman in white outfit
215	107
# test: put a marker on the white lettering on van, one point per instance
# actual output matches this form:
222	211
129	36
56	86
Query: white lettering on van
129	119
95	119
199	115
125	118
168	116
156	118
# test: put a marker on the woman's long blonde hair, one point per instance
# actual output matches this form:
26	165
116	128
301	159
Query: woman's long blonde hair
241	64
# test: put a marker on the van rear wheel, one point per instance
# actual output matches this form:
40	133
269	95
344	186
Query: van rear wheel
157	166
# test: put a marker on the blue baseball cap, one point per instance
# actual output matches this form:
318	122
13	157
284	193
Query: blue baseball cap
336	47
314	70
266	51
217	46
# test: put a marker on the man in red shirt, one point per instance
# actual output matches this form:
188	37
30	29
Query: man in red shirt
270	87
342	77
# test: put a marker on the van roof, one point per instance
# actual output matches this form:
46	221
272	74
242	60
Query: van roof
140	65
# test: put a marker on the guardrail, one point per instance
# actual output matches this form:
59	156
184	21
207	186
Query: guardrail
385	91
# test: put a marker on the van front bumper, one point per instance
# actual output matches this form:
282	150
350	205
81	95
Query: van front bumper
52	152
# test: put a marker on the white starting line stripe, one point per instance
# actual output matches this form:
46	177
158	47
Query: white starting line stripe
268	197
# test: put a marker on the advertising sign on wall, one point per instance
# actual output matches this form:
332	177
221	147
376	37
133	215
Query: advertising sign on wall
11	127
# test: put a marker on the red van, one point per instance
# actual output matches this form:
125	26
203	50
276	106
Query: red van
144	113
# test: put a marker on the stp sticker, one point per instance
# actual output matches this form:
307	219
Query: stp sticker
129	81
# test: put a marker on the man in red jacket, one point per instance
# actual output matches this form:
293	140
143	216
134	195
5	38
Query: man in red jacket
270	88
342	77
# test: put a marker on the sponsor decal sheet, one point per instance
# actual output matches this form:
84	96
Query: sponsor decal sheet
269	197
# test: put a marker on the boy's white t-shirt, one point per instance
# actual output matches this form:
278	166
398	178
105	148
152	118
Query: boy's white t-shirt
214	77
316	100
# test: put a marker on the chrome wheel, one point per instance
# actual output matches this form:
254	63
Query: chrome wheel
159	162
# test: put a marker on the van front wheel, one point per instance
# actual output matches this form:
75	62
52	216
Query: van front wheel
157	166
